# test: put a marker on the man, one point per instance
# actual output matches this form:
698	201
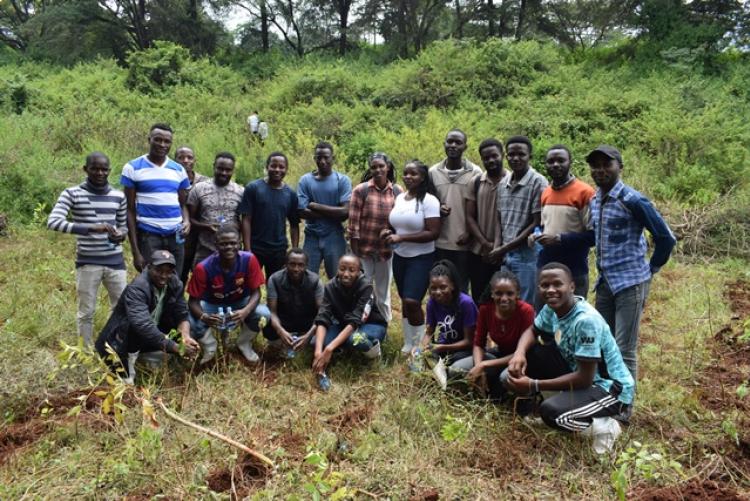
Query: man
266	206
519	203
156	189
213	203
186	157
252	123
451	178
98	221
324	198
294	295
229	281
619	215
570	349
481	215
151	306
565	219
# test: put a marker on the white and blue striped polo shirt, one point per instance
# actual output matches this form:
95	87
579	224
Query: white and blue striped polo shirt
157	205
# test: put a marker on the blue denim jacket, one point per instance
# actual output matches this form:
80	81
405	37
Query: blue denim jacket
617	220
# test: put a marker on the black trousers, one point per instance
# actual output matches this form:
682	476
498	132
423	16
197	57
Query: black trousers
480	274
460	260
271	261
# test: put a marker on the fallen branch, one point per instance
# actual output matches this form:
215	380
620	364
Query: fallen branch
214	434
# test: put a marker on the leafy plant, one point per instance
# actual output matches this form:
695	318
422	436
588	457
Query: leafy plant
322	484
643	461
454	429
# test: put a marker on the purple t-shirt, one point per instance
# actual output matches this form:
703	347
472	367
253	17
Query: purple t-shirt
450	324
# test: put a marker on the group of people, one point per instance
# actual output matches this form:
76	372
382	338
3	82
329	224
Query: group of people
501	254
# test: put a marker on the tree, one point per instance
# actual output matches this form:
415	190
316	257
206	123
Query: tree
585	23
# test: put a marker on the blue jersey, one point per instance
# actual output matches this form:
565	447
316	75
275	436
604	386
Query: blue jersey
583	334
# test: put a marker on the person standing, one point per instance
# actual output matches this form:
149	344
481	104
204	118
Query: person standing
214	203
450	179
324	198
149	308
481	216
185	156
619	214
414	227
156	189
519	203
252	123
99	214
565	219
266	206
371	204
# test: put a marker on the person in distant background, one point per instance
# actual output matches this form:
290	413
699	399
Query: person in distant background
263	131
99	214
252	123
214	203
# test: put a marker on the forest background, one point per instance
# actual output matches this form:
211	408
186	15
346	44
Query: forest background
666	81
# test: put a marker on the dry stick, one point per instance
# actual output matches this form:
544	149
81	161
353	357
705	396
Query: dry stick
214	434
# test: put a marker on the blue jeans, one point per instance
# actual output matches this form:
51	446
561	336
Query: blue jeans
622	311
372	332
198	328
328	248
522	262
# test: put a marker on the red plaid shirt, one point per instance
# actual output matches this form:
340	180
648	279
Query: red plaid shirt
368	216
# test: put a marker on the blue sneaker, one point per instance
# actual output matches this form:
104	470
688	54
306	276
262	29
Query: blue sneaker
324	382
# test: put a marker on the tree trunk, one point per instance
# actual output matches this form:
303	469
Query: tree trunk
459	21
343	8
521	19
264	24
490	9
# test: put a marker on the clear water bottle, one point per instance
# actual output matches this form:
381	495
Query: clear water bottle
179	237
290	353
537	233
324	382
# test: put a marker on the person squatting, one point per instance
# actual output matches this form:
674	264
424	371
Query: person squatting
501	253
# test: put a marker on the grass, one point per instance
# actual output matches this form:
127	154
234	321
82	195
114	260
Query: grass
380	431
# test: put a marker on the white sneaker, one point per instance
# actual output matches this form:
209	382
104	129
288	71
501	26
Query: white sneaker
441	374
604	432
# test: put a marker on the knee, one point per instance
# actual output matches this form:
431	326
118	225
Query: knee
549	414
411	306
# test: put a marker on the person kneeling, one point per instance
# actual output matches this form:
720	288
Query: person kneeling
570	349
504	320
294	295
348	318
224	291
150	306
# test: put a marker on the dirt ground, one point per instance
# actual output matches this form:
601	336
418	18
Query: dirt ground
694	490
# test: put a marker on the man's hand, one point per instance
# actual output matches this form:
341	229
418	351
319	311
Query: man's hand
393	239
301	342
212	320
191	345
139	262
476	372
445	211
496	255
464	239
547	239
517	365
321	361
285	337
520	385
102	228
185	227
240	315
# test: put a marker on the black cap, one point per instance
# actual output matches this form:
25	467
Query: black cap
162	257
605	149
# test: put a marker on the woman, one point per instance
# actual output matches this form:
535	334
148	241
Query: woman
371	203
503	319
347	318
415	225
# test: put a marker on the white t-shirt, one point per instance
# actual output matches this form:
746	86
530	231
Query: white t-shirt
252	121
406	219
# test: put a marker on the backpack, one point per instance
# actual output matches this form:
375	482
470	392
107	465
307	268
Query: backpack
396	192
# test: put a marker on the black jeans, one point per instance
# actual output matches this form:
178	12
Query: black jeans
271	261
480	274
460	260
149	242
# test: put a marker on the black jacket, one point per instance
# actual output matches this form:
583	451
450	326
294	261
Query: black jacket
346	306
130	328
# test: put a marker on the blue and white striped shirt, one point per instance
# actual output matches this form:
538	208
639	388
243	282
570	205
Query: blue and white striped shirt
618	219
157	204
91	206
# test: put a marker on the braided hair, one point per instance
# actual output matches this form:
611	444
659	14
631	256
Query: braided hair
385	158
425	186
445	268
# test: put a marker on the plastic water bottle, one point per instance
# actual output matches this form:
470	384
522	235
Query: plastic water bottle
179	238
290	353
416	364
221	219
324	382
537	233
223	326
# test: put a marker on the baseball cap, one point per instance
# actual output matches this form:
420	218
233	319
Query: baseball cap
607	150
162	257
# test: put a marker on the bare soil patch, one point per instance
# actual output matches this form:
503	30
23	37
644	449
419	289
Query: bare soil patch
351	418
694	490
429	494
16	436
247	475
738	295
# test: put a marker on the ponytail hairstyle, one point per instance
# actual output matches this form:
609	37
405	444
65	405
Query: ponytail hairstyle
445	268
425	186
385	158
